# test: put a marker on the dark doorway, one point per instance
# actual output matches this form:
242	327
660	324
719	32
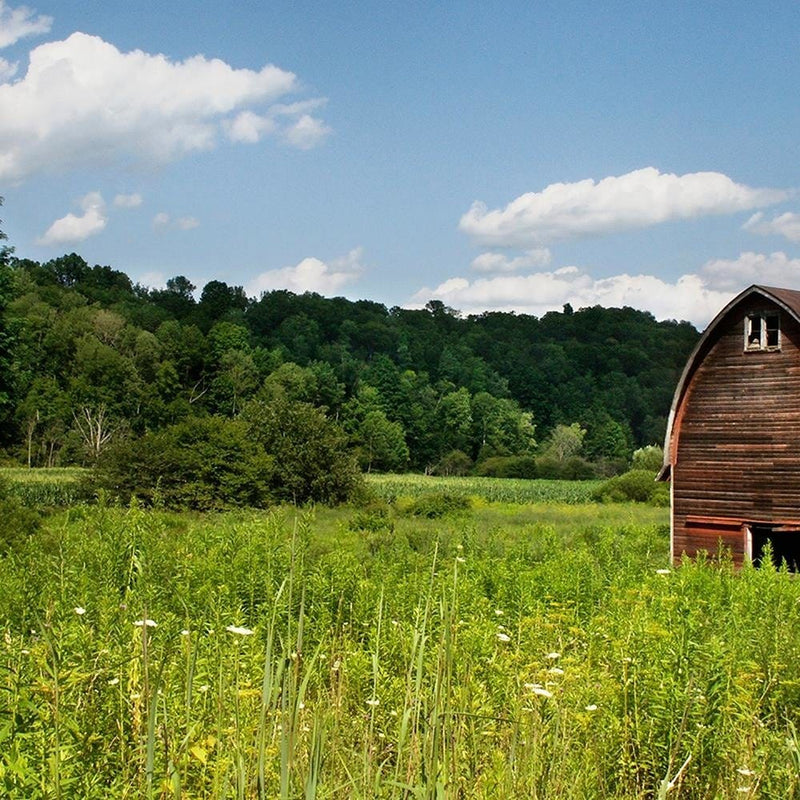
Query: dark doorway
785	545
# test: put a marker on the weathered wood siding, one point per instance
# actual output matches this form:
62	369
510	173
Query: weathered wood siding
735	446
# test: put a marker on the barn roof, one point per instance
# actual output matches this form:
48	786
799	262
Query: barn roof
787	299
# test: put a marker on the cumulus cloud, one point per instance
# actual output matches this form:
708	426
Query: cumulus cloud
690	297
17	23
311	275
164	221
499	262
84	102
128	200
74	228
775	269
786	225
307	132
637	199
7	69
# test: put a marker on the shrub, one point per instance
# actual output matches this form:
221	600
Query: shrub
435	505
507	467
456	462
17	522
638	486
650	458
206	463
571	469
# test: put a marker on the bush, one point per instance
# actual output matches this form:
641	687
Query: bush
571	469
650	458
207	463
507	467
638	486
434	505
17	522
456	462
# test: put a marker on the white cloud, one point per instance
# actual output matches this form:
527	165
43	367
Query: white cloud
17	23
128	200
7	70
73	228
248	127
499	262
786	225
164	221
637	199
687	298
82	102
311	275
775	269
153	280
307	132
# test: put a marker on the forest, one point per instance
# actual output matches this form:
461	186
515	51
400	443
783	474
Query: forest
95	368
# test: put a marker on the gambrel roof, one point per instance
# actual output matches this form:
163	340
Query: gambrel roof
787	299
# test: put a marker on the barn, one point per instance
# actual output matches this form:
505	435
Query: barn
732	449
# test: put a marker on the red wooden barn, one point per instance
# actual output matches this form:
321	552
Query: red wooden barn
732	450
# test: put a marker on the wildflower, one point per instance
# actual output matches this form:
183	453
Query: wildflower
79	610
373	701
556	671
184	632
459	547
113	681
663	572
203	689
542	692
591	707
553	656
461	560
503	637
25	652
239	631
148	623
498	612
745	771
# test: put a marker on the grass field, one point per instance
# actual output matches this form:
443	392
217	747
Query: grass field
509	651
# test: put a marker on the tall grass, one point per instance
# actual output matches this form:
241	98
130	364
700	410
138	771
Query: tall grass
298	656
53	487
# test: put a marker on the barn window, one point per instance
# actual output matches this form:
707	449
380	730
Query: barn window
782	542
762	331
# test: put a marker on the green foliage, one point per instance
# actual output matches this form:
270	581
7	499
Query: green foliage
569	469
650	458
637	485
508	467
456	462
207	463
435	505
311	460
18	521
290	656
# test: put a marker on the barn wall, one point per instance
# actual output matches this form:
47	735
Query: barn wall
736	439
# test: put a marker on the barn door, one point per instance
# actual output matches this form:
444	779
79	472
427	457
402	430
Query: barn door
784	541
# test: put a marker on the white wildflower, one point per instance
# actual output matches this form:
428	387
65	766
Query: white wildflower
553	656
498	612
503	637
373	701
745	771
184	632
80	611
556	671
591	707
203	689
113	681
663	572
461	560
238	630
542	692
148	623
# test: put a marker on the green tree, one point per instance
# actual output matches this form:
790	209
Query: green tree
381	443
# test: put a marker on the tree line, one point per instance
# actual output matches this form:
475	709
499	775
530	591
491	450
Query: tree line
89	358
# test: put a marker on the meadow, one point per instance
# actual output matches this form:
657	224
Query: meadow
510	649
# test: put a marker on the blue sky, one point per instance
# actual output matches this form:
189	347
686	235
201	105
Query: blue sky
514	157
